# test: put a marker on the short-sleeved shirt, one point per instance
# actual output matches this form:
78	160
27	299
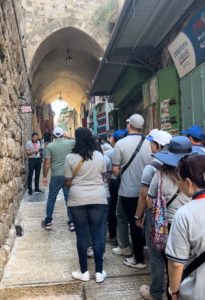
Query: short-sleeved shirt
186	241
109	153
57	152
148	172
108	167
33	146
131	178
169	188
87	186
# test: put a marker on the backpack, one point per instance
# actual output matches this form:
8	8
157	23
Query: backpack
159	232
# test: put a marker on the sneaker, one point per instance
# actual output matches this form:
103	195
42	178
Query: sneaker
38	191
71	227
46	225
112	241
145	292
131	262
122	251
100	277
81	276
30	192
90	252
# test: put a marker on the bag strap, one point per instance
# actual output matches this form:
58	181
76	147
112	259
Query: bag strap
156	164
77	169
197	262
173	198
133	155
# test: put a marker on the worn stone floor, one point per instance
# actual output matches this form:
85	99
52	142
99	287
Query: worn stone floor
41	262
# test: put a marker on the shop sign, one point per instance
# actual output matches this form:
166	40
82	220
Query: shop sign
188	48
25	109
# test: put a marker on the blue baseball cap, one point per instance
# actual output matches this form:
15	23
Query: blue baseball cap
179	146
118	134
194	131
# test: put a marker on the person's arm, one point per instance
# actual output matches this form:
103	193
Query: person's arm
175	275
68	182
46	167
141	206
116	170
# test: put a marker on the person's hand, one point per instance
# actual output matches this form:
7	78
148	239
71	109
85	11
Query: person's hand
138	223
45	181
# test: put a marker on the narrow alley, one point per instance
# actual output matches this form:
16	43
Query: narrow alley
102	103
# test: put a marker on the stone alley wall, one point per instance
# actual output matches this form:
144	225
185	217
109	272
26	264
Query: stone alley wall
14	91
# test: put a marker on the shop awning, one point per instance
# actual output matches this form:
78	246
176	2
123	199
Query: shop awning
140	30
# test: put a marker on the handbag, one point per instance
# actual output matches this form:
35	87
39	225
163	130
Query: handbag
159	233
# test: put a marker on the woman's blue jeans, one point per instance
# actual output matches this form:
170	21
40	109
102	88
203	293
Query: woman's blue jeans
90	218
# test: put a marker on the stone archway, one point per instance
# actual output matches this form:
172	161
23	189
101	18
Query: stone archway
50	74
42	18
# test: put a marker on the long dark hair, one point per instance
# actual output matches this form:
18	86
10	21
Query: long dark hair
193	167
171	172
84	143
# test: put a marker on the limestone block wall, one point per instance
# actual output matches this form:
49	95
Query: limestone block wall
14	127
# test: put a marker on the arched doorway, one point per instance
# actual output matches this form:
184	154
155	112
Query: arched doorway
64	64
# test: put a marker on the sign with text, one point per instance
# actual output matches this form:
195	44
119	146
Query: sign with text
188	48
25	109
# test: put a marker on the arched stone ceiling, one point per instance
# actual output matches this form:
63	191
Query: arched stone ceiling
50	74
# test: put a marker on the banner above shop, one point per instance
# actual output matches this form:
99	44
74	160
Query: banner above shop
188	48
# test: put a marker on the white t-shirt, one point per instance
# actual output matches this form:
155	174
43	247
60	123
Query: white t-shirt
87	186
169	188
131	178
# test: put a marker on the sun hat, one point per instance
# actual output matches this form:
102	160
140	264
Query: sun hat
118	134
58	132
136	120
194	131
179	146
161	137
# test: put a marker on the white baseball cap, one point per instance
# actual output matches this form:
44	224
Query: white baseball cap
58	132
161	137
136	120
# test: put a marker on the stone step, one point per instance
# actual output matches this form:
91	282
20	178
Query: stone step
51	291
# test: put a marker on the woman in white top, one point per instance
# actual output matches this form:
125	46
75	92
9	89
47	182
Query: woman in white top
87	200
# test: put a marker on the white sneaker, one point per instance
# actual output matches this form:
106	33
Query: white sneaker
100	277
81	276
131	262
90	252
122	251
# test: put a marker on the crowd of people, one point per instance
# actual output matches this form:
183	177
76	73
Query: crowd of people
132	185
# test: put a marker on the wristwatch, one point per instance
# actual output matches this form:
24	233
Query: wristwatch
171	292
137	218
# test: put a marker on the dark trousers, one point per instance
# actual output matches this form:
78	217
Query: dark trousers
34	164
112	220
90	218
129	206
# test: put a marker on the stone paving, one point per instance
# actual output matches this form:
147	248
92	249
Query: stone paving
41	262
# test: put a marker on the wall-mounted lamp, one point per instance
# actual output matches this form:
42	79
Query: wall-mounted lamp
68	59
